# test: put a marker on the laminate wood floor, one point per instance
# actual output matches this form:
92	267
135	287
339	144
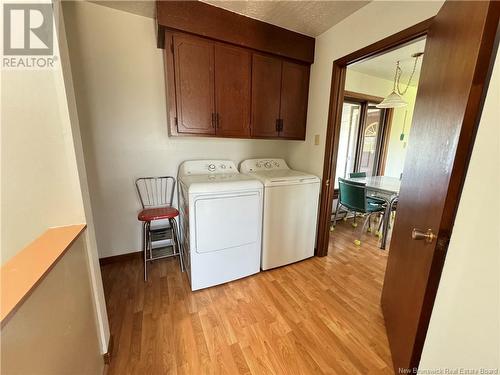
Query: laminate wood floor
318	316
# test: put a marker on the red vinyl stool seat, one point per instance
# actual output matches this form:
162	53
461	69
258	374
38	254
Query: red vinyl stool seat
157	213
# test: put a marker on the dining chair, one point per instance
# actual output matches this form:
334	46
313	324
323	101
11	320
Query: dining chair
355	175
372	199
352	196
158	218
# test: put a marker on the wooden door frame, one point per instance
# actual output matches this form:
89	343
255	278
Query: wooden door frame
335	117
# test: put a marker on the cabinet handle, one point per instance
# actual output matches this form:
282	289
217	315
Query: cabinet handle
279	124
213	119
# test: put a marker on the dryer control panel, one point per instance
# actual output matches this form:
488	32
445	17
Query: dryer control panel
196	167
256	165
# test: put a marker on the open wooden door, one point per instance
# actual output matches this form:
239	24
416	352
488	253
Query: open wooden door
453	82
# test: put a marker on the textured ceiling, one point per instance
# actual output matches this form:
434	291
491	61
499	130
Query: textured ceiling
306	17
383	66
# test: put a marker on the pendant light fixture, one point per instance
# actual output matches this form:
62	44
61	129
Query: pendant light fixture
395	99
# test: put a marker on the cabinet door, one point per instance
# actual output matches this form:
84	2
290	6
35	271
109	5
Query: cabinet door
232	91
194	84
294	92
266	88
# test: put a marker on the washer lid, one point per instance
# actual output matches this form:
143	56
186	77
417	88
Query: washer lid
284	177
224	182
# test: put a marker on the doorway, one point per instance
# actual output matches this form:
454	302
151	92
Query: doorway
373	140
455	74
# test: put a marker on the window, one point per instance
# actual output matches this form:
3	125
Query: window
346	159
363	134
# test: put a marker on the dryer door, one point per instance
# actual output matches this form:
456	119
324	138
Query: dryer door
227	221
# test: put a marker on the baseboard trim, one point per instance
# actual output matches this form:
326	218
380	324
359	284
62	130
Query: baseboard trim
120	258
107	356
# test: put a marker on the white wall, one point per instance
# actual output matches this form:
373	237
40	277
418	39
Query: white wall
40	187
371	23
90	236
119	84
396	149
464	330
41	183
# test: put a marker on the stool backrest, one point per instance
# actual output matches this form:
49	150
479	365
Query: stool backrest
155	191
352	195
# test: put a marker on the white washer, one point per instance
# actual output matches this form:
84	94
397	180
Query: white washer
290	211
221	222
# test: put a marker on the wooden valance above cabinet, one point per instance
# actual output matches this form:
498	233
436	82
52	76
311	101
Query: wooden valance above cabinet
226	89
198	18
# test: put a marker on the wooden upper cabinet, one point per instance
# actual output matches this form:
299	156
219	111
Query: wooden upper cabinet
232	90
279	98
218	89
225	79
294	93
194	84
266	91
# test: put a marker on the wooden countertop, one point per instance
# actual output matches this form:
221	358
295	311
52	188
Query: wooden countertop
22	273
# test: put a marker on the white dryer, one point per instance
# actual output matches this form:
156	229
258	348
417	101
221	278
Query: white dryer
221	222
291	201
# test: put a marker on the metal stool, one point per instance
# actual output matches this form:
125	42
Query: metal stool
156	195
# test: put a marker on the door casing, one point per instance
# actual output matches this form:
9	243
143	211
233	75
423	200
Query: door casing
337	92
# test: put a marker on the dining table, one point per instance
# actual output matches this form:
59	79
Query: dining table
386	188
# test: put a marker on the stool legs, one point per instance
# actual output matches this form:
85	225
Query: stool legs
145	245
149	243
176	242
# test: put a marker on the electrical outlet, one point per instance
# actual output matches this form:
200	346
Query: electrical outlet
316	140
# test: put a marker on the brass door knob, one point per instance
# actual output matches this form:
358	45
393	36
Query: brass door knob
418	234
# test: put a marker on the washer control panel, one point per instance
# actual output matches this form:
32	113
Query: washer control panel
196	167
255	165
